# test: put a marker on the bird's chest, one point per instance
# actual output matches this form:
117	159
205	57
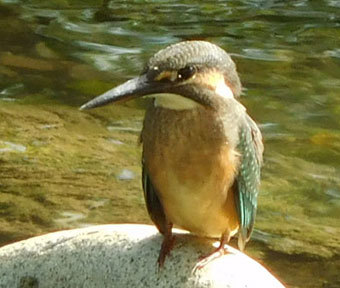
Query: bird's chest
192	165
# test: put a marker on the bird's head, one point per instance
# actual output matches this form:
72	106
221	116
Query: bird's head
179	77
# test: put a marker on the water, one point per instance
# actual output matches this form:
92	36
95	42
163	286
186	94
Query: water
55	159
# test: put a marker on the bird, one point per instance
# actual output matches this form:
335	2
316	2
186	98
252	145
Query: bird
202	153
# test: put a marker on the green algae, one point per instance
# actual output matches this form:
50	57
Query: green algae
68	164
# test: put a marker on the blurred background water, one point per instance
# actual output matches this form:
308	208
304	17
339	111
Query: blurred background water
62	168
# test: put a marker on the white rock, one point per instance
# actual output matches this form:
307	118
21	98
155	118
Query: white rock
123	256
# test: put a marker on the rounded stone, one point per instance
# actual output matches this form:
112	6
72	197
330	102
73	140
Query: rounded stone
124	256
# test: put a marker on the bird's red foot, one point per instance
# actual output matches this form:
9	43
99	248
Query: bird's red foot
205	260
217	253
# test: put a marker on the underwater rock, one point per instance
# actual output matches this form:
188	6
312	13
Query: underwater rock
19	61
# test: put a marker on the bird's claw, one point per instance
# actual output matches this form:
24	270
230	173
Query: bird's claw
167	245
205	260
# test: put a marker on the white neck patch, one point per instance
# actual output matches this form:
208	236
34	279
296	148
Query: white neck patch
224	90
174	101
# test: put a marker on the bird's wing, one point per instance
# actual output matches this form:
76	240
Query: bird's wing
248	179
153	204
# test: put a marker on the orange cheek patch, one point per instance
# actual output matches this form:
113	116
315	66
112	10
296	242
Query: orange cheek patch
214	81
211	79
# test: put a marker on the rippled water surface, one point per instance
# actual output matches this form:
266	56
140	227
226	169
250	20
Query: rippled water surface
62	168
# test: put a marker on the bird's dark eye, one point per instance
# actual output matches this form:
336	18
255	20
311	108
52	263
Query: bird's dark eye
186	72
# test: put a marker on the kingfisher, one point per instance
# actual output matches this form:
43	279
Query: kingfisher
202	152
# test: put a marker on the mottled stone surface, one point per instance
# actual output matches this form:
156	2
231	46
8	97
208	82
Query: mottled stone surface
123	256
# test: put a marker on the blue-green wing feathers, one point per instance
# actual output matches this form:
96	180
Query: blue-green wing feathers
247	181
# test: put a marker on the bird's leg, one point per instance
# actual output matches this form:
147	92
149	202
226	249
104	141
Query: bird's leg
218	252
167	244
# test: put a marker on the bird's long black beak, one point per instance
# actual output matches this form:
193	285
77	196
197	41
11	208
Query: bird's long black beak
133	88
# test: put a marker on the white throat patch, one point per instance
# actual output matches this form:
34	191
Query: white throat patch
174	101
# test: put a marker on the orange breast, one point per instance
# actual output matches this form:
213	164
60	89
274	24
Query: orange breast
193	167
